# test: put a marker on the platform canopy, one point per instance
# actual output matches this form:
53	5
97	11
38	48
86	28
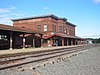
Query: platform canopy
18	29
62	35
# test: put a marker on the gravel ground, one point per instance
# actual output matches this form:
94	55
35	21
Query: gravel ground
86	63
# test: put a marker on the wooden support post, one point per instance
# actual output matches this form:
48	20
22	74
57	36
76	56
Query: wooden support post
75	41
41	40
62	41
51	41
78	42
23	41
72	42
81	41
67	41
33	41
11	41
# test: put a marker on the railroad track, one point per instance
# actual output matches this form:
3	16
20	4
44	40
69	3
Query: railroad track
39	56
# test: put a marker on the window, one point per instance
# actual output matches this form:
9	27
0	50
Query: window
3	37
67	31
60	28
45	27
39	27
0	37
54	28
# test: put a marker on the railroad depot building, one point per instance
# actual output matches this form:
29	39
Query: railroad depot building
45	31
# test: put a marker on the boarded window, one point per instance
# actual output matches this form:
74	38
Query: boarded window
54	28
39	28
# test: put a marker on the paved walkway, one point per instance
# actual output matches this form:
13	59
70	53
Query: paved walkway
4	52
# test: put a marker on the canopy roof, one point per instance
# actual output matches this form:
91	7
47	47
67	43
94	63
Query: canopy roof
18	29
62	35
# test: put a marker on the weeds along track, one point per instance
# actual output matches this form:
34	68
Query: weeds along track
22	59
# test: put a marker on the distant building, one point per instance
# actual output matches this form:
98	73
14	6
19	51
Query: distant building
89	41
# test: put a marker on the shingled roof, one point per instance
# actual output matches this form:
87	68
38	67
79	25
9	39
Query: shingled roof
17	29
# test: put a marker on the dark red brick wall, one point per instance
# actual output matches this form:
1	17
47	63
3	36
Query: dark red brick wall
33	23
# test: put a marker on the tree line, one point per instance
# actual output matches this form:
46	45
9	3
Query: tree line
96	40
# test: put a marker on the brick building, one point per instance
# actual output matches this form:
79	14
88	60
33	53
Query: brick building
57	31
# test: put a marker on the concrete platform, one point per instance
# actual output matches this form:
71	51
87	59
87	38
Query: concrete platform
15	51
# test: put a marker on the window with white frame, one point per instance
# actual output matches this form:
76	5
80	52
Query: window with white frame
45	27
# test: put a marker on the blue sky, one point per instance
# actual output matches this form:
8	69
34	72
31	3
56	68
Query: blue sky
84	13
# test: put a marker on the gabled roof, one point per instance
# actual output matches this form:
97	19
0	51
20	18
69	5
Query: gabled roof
17	29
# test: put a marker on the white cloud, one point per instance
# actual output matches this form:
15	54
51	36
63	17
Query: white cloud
6	14
45	8
4	10
12	7
96	1
16	14
3	15
6	21
7	10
